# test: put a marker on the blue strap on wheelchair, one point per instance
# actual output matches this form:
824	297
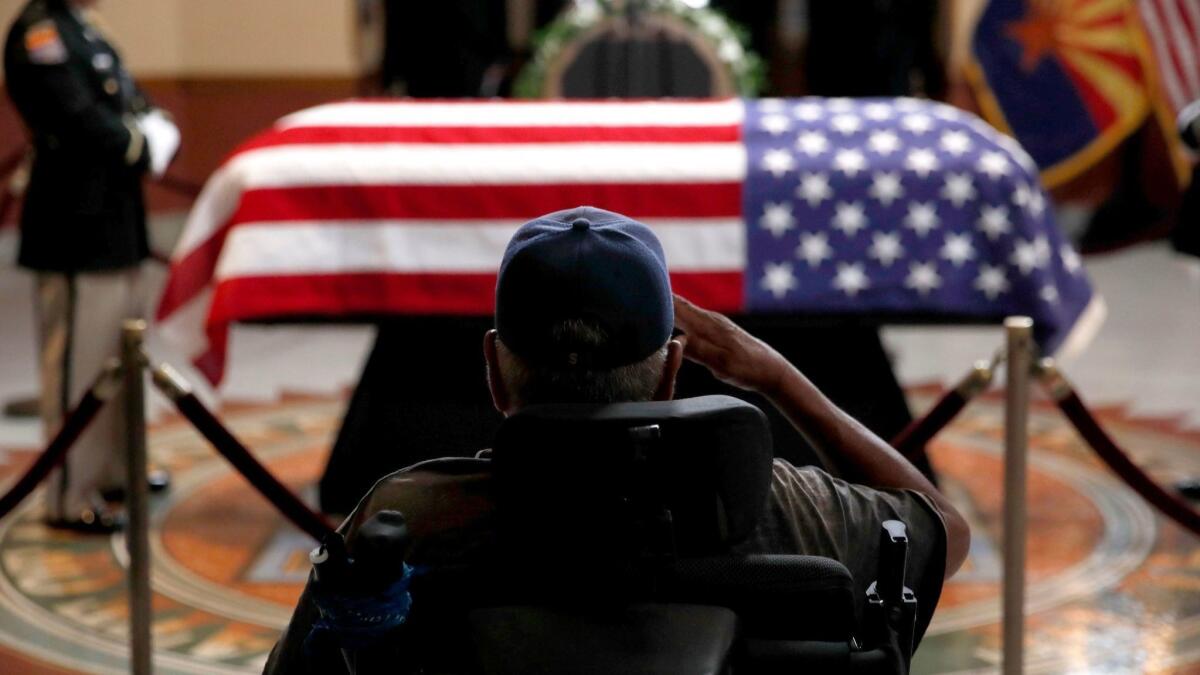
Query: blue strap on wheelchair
355	621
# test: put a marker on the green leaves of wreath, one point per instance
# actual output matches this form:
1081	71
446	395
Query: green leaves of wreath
729	41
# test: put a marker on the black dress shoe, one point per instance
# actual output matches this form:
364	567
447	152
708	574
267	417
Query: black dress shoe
23	407
157	480
90	521
1189	488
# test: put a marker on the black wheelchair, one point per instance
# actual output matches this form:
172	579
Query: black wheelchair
614	534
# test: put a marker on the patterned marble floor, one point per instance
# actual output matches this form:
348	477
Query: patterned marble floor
1113	587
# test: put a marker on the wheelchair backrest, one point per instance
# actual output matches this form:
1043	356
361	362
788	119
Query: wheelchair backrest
688	477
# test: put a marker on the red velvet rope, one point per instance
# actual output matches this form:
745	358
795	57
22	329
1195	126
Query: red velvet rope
259	477
911	441
54	453
1168	504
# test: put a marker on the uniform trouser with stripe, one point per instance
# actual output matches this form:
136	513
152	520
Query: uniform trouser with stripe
79	318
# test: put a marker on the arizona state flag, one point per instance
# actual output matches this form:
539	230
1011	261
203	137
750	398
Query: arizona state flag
1070	79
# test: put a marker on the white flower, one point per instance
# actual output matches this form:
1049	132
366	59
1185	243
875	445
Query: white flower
730	50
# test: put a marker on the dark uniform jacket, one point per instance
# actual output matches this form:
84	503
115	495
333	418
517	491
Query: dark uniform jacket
84	209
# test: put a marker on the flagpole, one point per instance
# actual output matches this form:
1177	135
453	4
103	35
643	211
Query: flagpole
1019	337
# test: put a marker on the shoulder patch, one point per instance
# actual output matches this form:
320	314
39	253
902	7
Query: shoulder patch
43	43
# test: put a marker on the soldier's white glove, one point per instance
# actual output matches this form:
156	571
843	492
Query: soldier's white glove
162	139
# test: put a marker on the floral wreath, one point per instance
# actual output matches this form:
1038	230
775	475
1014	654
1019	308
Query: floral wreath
728	40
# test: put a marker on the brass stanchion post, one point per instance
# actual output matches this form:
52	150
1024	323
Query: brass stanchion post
137	538
1019	343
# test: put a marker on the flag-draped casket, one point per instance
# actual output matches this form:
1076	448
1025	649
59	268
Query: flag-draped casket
895	209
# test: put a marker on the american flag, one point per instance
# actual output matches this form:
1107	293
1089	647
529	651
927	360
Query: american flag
1173	31
901	208
367	208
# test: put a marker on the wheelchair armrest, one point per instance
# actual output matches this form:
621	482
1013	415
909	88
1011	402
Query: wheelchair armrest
640	639
788	657
893	560
892	606
778	597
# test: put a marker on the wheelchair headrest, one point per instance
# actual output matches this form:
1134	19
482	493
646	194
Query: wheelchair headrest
706	460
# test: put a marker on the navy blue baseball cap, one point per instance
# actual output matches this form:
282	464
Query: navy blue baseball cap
584	264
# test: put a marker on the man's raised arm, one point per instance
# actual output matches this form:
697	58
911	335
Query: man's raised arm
847	448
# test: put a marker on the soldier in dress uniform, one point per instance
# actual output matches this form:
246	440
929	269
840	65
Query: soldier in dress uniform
83	232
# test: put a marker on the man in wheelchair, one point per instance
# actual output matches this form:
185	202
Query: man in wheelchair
604	504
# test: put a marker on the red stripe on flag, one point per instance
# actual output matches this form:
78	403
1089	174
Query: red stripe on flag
1170	62
728	133
365	295
191	274
244	298
1184	9
194	271
482	202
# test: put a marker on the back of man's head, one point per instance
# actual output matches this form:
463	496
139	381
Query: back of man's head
584	309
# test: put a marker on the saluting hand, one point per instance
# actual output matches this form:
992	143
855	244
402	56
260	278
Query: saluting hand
731	354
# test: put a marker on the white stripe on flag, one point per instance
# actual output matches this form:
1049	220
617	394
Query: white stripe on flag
1162	53
1181	46
483	165
329	247
182	331
488	164
1192	9
510	114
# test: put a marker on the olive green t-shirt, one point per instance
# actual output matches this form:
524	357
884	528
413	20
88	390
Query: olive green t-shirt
810	512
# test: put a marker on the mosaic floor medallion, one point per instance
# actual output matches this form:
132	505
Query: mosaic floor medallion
1112	587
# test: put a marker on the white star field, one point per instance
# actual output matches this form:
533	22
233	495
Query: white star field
859	197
